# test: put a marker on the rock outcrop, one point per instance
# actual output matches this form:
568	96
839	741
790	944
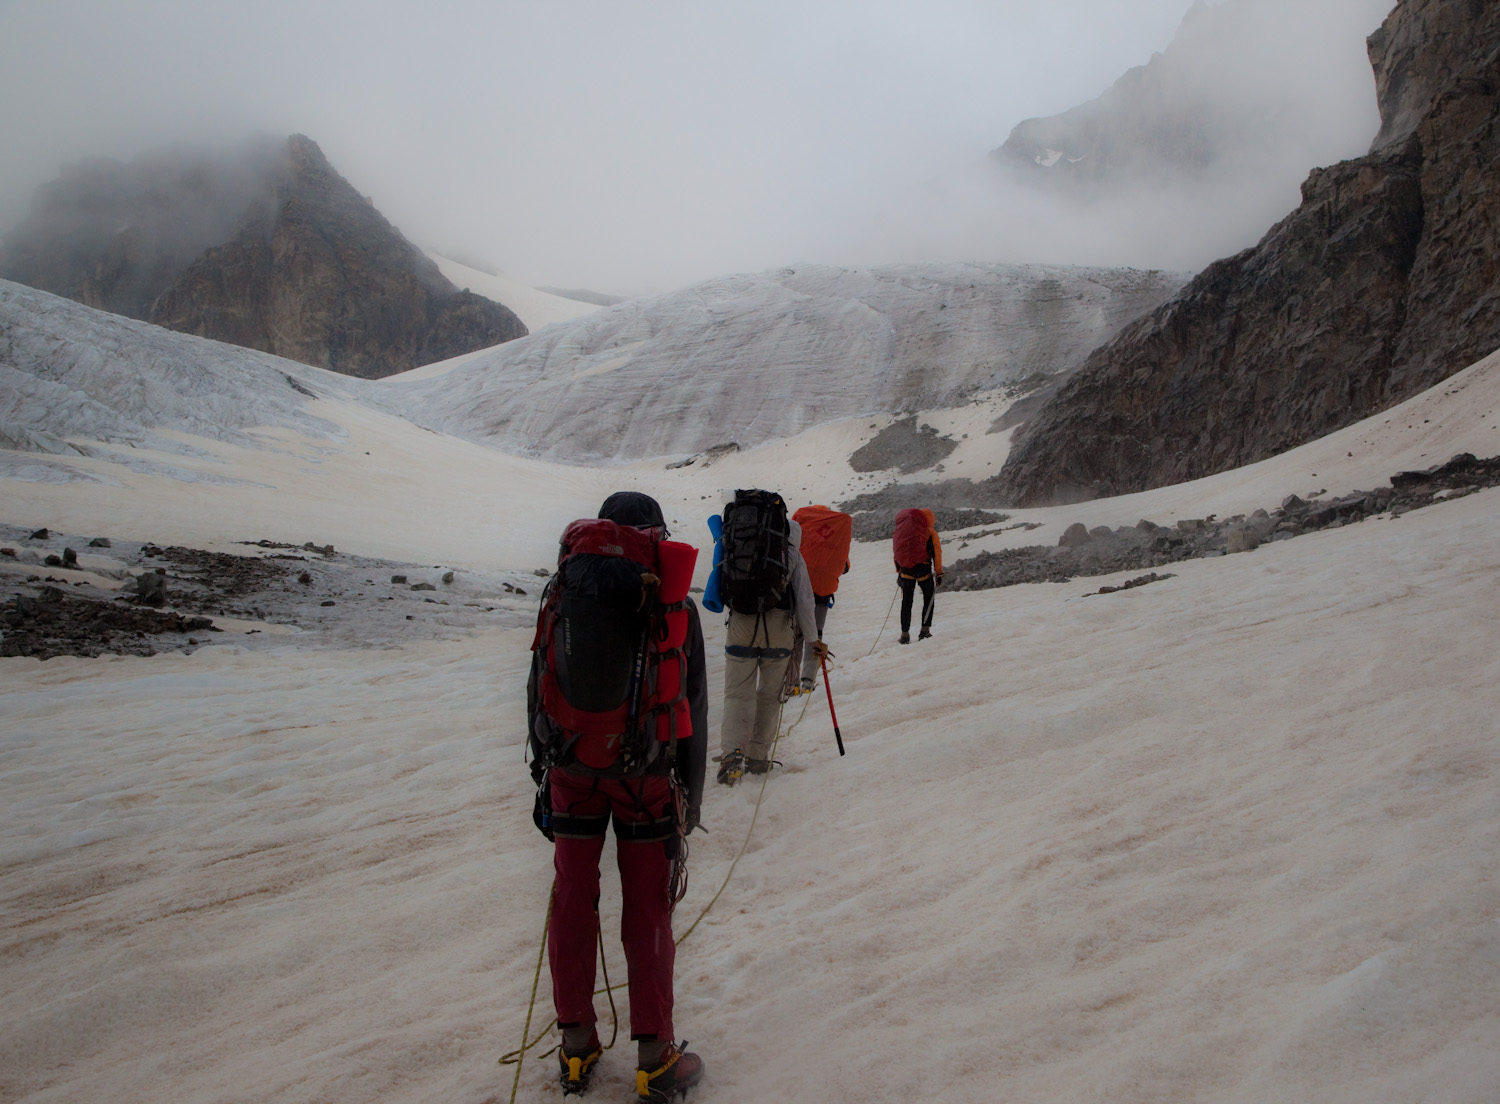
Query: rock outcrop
1383	282
268	248
1104	551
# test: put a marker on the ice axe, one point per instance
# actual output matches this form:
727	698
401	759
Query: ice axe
823	658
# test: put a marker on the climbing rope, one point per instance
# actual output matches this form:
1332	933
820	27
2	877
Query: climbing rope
753	817
517	1056
520	1055
884	623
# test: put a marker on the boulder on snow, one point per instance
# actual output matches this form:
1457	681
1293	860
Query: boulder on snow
1074	536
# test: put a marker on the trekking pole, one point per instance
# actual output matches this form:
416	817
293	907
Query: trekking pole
836	734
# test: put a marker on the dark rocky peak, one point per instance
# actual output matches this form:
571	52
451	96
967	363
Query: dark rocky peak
306	180
265	246
1383	282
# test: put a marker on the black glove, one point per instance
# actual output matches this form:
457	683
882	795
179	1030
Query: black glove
940	580
691	819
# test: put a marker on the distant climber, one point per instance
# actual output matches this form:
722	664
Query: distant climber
919	561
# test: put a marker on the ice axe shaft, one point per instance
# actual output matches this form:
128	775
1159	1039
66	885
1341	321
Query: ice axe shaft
829	690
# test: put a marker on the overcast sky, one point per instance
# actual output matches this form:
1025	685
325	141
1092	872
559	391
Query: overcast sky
627	145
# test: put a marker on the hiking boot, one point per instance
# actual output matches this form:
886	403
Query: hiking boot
679	1071
924	634
576	1067
807	686
905	638
760	766
731	766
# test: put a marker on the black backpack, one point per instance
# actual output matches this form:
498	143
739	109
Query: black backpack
757	561
610	636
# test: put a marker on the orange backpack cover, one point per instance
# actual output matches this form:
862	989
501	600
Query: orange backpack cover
825	545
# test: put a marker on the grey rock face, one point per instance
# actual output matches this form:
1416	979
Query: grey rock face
115	236
1075	536
1383	282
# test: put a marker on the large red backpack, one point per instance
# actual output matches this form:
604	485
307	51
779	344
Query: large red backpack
913	527
610	634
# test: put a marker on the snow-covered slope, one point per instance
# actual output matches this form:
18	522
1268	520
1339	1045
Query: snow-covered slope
750	358
1228	838
69	372
746	359
535	308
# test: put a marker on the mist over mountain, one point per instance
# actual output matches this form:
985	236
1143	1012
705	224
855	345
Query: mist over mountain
1245	88
1380	284
1184	159
264	246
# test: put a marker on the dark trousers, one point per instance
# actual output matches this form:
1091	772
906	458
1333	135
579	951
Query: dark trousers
908	592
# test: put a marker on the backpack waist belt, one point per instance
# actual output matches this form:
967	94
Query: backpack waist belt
744	651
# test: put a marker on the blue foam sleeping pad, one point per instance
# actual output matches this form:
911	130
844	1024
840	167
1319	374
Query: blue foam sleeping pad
711	600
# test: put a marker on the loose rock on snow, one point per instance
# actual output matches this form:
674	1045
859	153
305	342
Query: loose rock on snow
1102	551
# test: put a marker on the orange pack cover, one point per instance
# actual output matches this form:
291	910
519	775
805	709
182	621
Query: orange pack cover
825	545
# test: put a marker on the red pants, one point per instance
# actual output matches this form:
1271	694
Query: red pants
645	874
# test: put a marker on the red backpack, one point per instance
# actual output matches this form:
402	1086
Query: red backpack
913	527
610	635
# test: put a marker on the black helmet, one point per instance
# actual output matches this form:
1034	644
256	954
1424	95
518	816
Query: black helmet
634	508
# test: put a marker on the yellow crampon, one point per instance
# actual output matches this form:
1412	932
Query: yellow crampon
643	1079
576	1077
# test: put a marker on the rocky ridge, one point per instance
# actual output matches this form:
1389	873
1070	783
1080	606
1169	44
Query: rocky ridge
1082	550
1383	282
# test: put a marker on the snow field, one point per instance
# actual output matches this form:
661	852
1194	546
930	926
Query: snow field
1230	836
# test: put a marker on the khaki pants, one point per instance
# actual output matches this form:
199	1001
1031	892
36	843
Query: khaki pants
752	684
